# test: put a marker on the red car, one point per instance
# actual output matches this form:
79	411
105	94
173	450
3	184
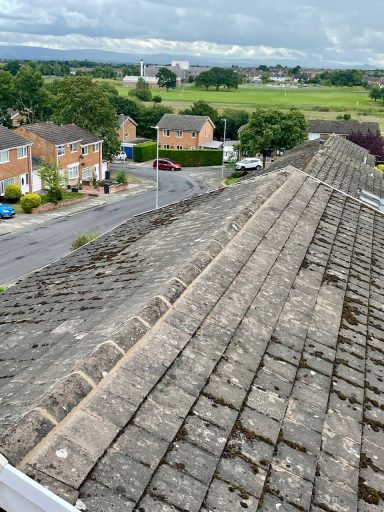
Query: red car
167	165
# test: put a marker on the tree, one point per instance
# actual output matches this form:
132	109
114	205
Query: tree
371	141
150	117
218	77
235	119
6	97
202	108
166	78
29	93
52	180
141	91
376	93
273	129
84	103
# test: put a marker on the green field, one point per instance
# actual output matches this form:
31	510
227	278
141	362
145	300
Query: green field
315	102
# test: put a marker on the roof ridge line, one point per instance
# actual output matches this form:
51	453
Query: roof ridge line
32	427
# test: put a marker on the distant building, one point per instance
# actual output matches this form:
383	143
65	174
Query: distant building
323	129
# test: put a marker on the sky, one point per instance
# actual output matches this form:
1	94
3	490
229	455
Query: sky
309	32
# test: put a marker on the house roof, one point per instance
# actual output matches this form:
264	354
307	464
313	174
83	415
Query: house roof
341	127
183	122
62	134
123	119
10	139
220	354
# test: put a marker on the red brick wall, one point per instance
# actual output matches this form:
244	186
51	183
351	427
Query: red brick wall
16	167
187	141
127	131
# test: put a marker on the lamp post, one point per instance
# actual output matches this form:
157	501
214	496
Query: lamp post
222	163
157	165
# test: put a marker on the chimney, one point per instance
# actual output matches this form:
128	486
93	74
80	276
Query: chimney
141	68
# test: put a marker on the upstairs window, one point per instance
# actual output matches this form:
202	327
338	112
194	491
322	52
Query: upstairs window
4	156
60	150
194	134
73	147
96	148
22	152
84	150
166	133
179	134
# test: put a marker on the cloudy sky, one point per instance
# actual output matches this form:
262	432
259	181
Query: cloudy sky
338	32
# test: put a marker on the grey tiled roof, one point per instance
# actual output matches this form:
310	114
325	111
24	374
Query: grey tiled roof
62	134
338	163
341	127
182	122
10	139
252	379
123	118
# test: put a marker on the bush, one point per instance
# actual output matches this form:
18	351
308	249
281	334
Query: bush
380	167
29	201
157	99
193	158
83	239
144	152
121	178
12	193
141	94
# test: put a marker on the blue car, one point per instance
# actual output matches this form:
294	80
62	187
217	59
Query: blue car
6	211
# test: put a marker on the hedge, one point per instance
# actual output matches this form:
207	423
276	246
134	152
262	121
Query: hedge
193	158
144	152
12	193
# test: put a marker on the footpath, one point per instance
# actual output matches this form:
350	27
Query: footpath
21	221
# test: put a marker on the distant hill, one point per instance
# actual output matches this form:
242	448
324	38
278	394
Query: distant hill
39	53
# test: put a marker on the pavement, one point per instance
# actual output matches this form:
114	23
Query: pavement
212	177
22	221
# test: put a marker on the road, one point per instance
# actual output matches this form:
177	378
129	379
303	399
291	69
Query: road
31	248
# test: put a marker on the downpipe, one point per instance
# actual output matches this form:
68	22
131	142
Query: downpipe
19	493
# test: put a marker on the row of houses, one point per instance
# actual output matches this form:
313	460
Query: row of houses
76	152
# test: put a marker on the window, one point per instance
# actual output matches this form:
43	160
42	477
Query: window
86	174
179	147
179	134
73	171
166	133
73	147
5	183
84	150
193	135
4	156
166	146
22	152
96	148
60	150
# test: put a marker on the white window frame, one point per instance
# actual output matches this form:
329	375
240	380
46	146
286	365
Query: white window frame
194	135
96	147
24	152
84	150
60	150
73	147
4	156
179	147
167	133
73	171
5	183
165	146
179	134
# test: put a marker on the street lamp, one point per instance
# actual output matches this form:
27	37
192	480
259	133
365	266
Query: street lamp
157	165
222	163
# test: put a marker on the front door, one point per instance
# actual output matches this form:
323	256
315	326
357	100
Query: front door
24	183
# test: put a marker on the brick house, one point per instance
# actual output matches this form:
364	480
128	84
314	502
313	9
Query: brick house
127	128
15	160
77	152
184	132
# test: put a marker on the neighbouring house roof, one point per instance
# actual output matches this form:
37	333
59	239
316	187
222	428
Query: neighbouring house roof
10	139
219	354
342	127
62	134
183	122
211	144
123	119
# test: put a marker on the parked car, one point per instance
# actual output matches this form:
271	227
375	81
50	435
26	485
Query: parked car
249	163
121	156
167	165
7	211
